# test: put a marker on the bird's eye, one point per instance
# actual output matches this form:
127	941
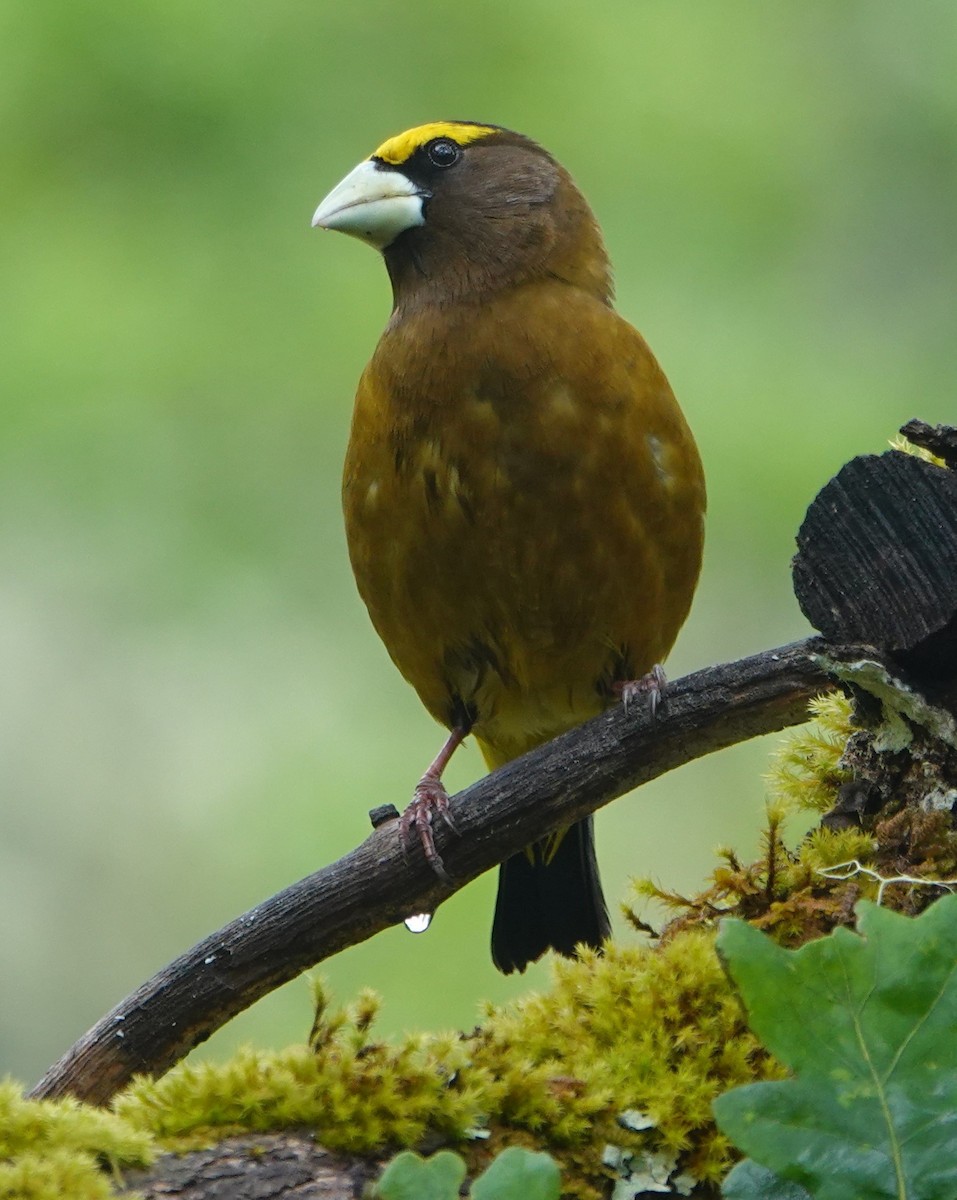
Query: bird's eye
442	152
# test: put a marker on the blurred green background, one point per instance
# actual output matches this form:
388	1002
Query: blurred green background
194	710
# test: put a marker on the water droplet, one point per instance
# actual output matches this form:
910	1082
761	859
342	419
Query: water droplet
418	923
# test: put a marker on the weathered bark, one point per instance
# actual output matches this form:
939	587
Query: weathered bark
285	1166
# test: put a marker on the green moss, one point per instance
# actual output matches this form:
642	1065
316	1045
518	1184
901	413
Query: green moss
357	1094
805	771
639	1030
902	852
899	442
51	1149
793	893
638	1037
616	1063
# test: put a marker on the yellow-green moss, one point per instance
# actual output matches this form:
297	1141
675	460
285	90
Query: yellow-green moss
357	1094
51	1149
791	892
653	1031
805	772
899	442
621	1056
799	892
650	1031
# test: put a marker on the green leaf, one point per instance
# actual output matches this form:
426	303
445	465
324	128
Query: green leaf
518	1174
748	1181
868	1025
411	1177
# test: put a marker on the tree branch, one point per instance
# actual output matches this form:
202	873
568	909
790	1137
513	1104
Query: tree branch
377	884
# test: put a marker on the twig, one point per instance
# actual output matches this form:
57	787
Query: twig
376	885
854	868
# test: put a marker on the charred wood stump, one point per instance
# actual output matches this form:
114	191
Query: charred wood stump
877	555
877	564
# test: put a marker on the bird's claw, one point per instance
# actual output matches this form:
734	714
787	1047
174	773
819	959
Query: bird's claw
429	800
651	685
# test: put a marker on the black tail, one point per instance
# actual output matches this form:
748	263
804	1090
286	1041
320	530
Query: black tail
549	898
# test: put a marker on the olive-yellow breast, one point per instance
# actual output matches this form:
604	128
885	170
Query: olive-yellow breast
524	502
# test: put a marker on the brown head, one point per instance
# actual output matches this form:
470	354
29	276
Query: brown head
462	210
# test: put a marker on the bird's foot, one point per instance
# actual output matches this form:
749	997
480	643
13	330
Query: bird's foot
429	800
651	685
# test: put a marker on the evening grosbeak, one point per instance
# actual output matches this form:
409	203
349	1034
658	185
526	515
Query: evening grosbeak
523	500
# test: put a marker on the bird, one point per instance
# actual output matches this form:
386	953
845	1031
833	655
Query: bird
524	501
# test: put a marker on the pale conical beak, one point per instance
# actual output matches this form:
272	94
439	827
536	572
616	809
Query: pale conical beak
372	203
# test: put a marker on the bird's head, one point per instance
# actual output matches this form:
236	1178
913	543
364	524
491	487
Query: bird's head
461	210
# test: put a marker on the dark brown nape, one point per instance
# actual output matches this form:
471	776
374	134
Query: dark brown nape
506	214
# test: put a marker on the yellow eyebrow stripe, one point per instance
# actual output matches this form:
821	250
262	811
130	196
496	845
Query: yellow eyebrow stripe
401	147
